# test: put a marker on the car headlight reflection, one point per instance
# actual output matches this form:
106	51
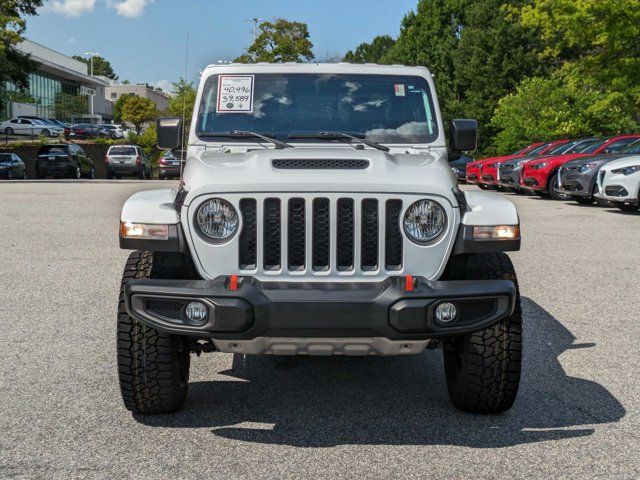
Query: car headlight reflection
217	219
627	170
424	221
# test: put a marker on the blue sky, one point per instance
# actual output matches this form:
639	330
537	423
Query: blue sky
145	39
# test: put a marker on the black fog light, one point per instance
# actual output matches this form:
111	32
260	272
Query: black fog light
446	312
197	313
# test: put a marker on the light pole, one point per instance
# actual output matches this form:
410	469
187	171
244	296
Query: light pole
255	21
91	55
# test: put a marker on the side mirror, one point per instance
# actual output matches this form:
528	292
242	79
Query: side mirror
464	135
169	133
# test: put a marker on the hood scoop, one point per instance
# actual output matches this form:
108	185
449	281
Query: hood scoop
320	164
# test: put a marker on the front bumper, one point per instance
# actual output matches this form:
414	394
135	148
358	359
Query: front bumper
578	184
617	187
311	310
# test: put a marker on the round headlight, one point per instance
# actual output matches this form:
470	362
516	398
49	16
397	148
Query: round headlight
217	219
424	221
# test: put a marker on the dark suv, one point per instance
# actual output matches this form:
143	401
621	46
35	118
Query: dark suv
64	161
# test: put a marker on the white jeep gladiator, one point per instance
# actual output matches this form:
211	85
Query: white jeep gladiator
317	214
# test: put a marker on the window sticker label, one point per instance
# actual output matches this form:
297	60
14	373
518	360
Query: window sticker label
235	94
400	92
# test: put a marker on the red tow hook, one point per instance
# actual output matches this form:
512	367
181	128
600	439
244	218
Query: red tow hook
409	283
233	283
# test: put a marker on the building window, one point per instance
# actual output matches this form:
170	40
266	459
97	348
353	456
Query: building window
114	95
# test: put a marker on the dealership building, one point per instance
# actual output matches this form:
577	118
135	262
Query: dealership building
61	88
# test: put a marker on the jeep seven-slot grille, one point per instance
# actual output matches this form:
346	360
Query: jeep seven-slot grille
320	164
321	234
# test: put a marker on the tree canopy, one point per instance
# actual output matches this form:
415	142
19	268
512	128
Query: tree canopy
182	101
101	66
373	52
138	110
280	41
14	65
525	69
117	107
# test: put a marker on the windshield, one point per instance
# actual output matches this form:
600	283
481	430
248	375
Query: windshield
539	149
633	148
122	151
5	157
380	108
592	148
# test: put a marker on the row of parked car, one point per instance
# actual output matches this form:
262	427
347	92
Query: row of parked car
69	160
605	170
50	127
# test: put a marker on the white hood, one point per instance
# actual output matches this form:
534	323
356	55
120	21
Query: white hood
211	171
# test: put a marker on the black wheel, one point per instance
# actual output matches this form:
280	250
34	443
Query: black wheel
9	175
92	173
45	133
554	193
483	186
109	174
153	367
601	202
40	175
8	131
483	369
24	175
141	174
78	173
625	207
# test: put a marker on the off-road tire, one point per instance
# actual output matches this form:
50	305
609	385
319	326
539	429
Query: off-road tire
483	368
153	367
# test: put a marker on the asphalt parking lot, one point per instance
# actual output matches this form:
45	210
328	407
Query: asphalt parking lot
61	416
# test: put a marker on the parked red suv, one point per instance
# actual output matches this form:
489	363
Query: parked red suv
541	175
490	176
474	169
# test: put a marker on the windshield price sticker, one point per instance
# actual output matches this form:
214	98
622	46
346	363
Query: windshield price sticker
235	94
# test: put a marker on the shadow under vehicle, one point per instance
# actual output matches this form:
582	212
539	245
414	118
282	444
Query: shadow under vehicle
319	403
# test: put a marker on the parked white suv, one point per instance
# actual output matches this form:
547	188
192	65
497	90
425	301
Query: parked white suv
619	182
127	160
318	215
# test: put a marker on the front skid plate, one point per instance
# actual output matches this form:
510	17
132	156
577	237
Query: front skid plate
322	346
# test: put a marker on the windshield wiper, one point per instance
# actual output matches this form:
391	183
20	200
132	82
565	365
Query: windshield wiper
337	135
247	134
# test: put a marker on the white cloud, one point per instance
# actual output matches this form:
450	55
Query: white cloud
164	85
72	8
129	8
72	40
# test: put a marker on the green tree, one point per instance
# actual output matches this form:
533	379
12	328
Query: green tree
593	88
429	37
14	65
546	108
138	111
592	40
101	66
280	41
372	52
117	107
182	101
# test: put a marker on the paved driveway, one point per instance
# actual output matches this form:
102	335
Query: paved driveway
61	416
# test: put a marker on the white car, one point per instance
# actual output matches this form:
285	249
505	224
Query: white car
115	131
619	182
26	126
318	215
